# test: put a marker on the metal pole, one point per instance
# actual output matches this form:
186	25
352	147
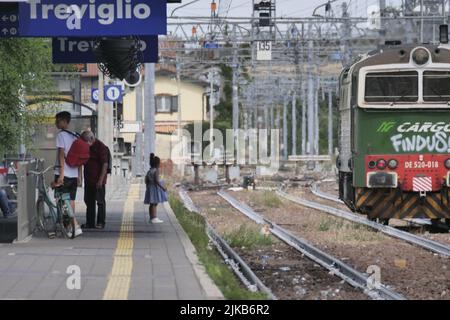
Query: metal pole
272	117
100	106
330	123
285	129
139	139
277	117
235	98
211	111
316	118
310	144
149	114
421	21
266	116
303	118
105	116
179	114
294	124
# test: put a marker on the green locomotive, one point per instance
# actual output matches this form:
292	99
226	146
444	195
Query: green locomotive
394	135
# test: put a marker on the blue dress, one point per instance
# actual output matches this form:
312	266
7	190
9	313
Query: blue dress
154	194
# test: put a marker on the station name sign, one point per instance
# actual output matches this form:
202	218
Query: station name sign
91	18
80	50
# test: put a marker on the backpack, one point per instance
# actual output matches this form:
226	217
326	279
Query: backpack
78	154
109	170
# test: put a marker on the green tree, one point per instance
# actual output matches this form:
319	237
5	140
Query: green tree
224	108
25	66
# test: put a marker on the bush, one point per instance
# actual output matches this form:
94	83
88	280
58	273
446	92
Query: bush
194	226
247	236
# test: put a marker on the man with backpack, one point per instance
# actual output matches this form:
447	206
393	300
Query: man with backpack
69	159
95	172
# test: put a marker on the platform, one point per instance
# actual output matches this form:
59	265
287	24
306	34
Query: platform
129	259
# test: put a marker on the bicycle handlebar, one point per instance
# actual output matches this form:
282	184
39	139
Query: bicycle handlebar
38	173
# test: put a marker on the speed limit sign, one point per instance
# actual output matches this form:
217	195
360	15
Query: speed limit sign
264	50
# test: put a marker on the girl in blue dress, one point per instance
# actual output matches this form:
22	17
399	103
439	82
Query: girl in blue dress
155	192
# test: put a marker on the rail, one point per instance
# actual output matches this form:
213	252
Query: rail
317	192
335	266
239	267
408	237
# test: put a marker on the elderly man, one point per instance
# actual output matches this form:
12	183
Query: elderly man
95	172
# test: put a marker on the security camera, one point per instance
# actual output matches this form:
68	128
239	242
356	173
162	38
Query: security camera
133	79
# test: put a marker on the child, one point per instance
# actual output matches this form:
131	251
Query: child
155	192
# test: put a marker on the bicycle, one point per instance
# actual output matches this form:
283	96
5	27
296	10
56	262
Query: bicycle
53	216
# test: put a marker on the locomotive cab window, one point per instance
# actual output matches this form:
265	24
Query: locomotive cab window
436	86
392	87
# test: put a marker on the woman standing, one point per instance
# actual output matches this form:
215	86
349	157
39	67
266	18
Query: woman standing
155	192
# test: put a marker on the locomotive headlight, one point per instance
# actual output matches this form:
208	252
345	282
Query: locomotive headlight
372	164
421	56
381	164
447	163
392	164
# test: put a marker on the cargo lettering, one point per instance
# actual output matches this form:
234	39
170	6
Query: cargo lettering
439	142
423	127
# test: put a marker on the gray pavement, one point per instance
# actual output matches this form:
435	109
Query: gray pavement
129	259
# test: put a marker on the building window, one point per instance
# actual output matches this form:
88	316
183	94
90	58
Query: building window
166	103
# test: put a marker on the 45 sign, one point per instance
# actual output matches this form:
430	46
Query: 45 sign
264	50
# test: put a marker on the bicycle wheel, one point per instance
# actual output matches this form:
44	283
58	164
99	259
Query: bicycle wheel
67	222
45	218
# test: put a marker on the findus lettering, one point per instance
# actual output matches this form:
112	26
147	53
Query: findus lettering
438	142
105	13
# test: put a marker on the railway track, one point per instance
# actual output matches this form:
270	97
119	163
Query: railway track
315	189
231	257
332	264
431	245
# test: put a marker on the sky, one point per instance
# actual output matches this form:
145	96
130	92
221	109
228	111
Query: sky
285	8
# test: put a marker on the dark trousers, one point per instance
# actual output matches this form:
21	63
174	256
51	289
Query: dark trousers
92	195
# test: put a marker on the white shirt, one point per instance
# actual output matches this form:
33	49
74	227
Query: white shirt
64	140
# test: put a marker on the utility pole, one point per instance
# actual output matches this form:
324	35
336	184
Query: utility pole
421	21
303	88
272	124
149	114
179	115
105	116
211	112
139	139
330	122
235	90
285	128
316	117
310	115
294	124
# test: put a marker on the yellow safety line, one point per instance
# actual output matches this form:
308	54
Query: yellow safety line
119	280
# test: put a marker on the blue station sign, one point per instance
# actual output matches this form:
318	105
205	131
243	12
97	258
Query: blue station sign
92	18
9	20
79	50
111	93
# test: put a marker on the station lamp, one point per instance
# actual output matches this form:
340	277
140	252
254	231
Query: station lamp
119	58
420	56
